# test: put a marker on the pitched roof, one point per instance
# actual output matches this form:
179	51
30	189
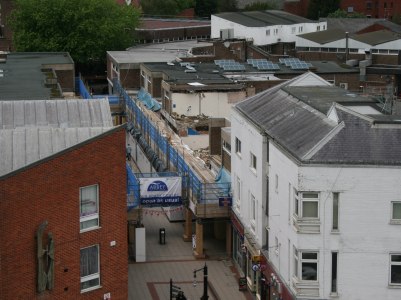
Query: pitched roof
361	141
353	25
308	130
55	113
34	130
377	37
263	18
325	36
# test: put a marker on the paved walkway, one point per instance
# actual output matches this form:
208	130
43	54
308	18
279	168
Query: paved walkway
174	260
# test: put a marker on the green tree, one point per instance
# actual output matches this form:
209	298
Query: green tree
165	7
343	14
321	8
206	8
261	6
84	28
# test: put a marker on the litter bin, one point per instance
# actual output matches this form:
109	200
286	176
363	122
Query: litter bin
162	236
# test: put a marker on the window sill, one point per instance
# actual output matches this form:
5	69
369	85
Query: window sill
239	155
306	225
334	295
253	171
305	288
91	289
394	286
89	229
335	232
395	222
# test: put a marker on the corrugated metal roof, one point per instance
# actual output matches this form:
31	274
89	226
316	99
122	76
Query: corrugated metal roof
33	130
55	113
23	146
263	18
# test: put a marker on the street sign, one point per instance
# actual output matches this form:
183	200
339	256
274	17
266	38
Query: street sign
225	201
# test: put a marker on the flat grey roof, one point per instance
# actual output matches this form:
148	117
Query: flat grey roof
211	73
263	18
164	52
22	76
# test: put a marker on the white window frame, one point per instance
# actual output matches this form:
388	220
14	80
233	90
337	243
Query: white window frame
293	30
296	262
300	29
227	147
253	211
238	146
238	194
392	220
306	260
296	203
304	199
94	275
91	217
393	264
336	212
253	162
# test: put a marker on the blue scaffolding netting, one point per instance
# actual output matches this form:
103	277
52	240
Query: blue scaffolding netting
142	130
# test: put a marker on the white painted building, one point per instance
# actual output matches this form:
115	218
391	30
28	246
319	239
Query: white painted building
263	27
317	187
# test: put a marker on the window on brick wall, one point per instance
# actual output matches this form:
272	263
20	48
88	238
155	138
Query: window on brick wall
90	271
89	207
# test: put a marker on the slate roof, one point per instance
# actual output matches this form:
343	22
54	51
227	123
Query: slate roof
324	36
360	142
377	37
309	135
34	130
263	18
353	25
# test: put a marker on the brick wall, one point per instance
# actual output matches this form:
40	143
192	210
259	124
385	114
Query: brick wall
50	191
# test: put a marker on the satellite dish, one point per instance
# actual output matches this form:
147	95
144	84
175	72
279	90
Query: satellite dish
226	44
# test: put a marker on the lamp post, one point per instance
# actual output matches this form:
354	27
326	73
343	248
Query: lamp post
204	296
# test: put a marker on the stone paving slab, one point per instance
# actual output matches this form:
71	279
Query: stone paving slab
151	279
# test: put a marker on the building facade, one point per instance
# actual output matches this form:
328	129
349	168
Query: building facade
63	201
316	193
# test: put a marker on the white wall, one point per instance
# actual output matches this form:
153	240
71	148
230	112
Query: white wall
252	182
258	34
211	104
365	237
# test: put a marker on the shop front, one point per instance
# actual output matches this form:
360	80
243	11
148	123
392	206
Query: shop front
271	287
239	253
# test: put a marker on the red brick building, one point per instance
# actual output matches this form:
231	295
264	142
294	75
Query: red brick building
383	9
79	190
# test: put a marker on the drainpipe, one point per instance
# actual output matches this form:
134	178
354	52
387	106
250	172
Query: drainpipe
346	46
